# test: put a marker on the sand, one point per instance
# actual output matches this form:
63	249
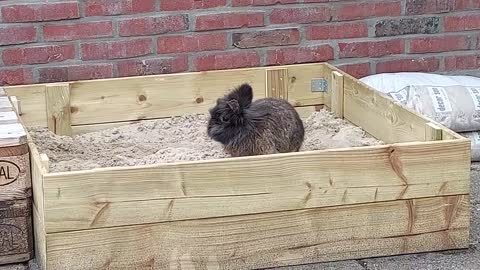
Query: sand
174	140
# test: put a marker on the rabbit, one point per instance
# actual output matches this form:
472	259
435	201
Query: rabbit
246	128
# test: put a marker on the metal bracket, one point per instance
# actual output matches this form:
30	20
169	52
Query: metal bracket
319	85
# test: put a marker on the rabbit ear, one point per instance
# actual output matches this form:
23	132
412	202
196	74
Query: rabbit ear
233	105
244	95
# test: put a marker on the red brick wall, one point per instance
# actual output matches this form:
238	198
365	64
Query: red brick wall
71	40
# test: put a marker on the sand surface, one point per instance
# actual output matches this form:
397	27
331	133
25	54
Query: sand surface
174	140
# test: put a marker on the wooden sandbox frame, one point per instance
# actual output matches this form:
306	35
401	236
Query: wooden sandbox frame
409	196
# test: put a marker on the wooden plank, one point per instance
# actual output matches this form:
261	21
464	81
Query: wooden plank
277	83
150	97
125	196
12	135
380	116
304	112
38	206
32	98
337	95
270	239
299	84
433	132
58	108
15	180
16	104
16	231
5	104
8	118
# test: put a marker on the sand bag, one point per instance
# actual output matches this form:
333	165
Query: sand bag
388	82
456	107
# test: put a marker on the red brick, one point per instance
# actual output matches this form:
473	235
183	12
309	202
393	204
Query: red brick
467	4
337	31
116	49
192	43
266	38
415	7
408	65
153	25
461	23
462	62
439	44
85	30
286	56
243	3
38	55
371	48
171	5
228	60
75	73
300	15
114	7
357	11
152	66
15	76
17	35
229	20
40	12
356	70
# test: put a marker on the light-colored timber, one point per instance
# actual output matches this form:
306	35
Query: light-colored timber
270	239
410	195
16	232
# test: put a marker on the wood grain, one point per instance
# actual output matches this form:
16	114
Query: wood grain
15	180
433	132
32	98
151	97
270	239
300	84
277	83
16	231
337	94
5	104
16	104
38	206
58	109
304	112
12	134
8	118
380	116
109	197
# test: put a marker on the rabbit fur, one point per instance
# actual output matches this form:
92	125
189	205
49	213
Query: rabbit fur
246	128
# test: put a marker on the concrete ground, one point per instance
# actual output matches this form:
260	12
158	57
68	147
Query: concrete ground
446	260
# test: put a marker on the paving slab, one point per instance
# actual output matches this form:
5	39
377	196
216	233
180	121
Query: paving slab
341	265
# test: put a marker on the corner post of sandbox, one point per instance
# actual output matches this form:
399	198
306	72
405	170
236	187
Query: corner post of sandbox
334	98
57	99
15	185
433	132
277	83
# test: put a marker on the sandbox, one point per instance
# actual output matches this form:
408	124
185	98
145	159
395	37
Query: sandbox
407	194
174	140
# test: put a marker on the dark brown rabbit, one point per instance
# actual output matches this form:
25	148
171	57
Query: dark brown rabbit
266	126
